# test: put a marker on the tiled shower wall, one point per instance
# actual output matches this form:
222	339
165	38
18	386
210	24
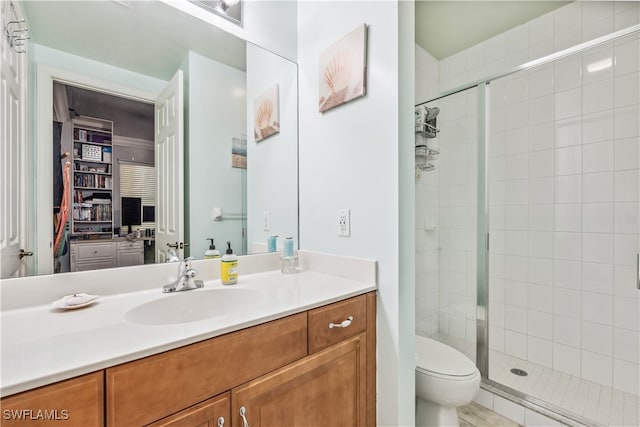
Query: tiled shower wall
564	192
586	327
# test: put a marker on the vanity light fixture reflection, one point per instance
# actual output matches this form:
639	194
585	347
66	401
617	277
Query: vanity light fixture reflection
229	9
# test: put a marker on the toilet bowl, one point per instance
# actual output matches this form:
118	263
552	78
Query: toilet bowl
445	379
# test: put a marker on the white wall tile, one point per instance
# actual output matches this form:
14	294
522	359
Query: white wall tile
517	115
627	153
540	190
567	104
597	96
597	127
626	15
625	281
627	186
540	217
517	217
541	137
541	244
517	242
517	192
516	268
626	217
627	56
515	319
597	157
597	64
567	331
597	278
540	298
569	132
541	81
517	141
541	110
568	217
626	314
517	166
597	368
516	46
568	160
567	359
567	303
626	123
627	90
597	247
540	351
597	217
484	398
567	274
534	419
625	248
497	338
508	409
597	338
568	188
625	345
597	187
597	308
540	324
568	246
567	73
598	28
625	376
515	344
541	271
541	163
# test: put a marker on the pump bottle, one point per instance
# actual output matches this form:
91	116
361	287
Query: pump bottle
229	267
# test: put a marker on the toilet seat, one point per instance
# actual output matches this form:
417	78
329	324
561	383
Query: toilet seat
440	360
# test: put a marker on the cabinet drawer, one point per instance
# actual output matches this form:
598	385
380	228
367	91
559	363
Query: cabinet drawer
131	246
149	389
88	251
75	402
321	335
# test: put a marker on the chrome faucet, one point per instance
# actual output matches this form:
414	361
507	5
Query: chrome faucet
186	278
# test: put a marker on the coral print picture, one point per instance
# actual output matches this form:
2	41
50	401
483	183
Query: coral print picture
343	69
266	114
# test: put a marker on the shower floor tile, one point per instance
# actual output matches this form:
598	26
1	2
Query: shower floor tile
596	402
601	404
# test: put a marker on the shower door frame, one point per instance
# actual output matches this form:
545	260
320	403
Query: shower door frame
483	235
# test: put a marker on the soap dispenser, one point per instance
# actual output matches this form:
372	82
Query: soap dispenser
229	267
212	252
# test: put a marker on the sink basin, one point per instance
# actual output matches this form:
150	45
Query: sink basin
192	306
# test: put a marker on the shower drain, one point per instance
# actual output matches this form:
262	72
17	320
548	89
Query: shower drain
519	372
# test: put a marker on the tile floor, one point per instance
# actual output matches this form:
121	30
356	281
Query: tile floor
604	405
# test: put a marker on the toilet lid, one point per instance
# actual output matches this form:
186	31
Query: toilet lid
439	358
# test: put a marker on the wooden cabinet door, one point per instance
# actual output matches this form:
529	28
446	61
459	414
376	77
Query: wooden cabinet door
70	403
214	412
325	389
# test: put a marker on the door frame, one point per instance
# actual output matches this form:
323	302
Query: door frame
43	190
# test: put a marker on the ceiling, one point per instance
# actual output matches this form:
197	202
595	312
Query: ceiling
148	37
444	28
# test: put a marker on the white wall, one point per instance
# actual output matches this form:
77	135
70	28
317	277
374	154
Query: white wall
269	24
216	114
349	158
427	76
272	173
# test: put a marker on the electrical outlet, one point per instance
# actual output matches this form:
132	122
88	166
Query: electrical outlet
344	222
267	221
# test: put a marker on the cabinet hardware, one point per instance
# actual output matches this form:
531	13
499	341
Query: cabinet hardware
344	324
175	245
24	253
221	422
244	419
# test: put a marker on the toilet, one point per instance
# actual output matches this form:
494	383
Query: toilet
445	379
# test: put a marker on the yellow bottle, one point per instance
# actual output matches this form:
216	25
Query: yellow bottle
229	267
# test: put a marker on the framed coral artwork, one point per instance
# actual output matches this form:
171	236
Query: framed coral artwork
343	70
266	114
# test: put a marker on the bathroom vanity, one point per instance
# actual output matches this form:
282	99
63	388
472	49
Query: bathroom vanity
302	352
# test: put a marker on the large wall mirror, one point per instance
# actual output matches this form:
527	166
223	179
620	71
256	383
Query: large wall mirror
107	81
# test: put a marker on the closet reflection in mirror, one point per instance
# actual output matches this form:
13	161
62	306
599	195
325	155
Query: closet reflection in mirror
104	77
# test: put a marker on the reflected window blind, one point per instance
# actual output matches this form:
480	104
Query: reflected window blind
139	181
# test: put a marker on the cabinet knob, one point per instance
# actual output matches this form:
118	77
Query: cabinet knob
221	422
344	324
243	411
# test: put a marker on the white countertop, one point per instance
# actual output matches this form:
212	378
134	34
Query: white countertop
42	344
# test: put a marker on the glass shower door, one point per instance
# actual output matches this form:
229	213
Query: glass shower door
563	167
